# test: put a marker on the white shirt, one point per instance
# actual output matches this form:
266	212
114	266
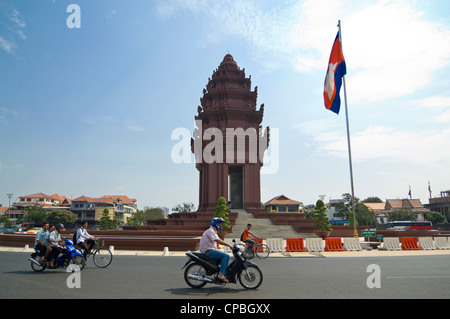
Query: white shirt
82	235
208	240
55	238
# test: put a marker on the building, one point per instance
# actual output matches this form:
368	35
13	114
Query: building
441	204
42	200
378	210
282	204
91	209
228	142
412	205
333	213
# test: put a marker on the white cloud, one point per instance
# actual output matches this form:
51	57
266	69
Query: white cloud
15	29
385	143
391	49
443	118
435	102
8	46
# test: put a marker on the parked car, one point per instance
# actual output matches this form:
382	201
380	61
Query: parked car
34	230
7	230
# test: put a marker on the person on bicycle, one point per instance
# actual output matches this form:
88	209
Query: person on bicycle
208	246
83	238
245	237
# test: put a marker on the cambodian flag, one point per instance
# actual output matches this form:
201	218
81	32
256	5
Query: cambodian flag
333	80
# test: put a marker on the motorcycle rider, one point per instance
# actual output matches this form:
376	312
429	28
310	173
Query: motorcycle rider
41	240
208	246
55	240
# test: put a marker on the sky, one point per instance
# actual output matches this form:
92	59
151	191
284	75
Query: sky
90	109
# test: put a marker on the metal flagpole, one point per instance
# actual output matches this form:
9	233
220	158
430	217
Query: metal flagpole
355	232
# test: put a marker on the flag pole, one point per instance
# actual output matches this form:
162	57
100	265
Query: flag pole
355	231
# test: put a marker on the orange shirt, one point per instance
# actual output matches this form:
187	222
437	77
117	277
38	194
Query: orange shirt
245	235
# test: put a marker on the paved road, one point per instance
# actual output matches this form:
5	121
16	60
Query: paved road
157	277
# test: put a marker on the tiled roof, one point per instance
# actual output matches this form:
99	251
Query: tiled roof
282	200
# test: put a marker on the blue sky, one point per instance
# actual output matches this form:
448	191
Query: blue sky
90	111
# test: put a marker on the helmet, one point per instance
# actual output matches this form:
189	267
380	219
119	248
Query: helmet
60	226
69	242
215	221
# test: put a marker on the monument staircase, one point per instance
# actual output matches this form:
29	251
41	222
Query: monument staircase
289	225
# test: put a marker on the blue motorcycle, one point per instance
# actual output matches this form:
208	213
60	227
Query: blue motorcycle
68	257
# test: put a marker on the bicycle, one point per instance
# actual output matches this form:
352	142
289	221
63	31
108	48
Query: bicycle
260	250
102	256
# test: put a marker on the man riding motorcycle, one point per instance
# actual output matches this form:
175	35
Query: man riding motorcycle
208	246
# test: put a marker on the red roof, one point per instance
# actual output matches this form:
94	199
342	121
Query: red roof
282	200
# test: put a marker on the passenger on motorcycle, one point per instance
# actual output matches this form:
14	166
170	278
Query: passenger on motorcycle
208	246
41	241
55	240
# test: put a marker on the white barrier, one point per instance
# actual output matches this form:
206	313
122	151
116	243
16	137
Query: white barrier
352	244
391	243
275	244
227	249
314	244
441	243
426	243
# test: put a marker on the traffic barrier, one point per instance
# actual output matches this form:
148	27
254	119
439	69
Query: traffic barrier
257	241
227	249
409	243
314	244
352	244
441	243
295	244
391	243
426	243
166	251
275	244
111	249
333	244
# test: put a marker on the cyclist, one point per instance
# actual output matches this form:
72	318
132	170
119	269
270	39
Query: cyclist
245	237
208	246
83	238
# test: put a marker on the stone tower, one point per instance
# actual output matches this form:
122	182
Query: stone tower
229	142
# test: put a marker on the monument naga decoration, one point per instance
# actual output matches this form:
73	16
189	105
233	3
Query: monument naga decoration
228	142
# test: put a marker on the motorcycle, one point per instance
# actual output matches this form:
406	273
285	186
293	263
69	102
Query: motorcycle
201	270
66	258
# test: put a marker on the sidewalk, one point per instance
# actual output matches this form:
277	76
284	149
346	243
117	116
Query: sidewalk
322	254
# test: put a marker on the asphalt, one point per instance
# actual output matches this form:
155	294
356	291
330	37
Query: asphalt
327	254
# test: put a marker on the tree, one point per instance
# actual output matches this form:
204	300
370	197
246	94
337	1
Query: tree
62	216
36	215
221	210
372	199
435	217
401	214
106	222
184	208
154	214
137	219
364	216
322	220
